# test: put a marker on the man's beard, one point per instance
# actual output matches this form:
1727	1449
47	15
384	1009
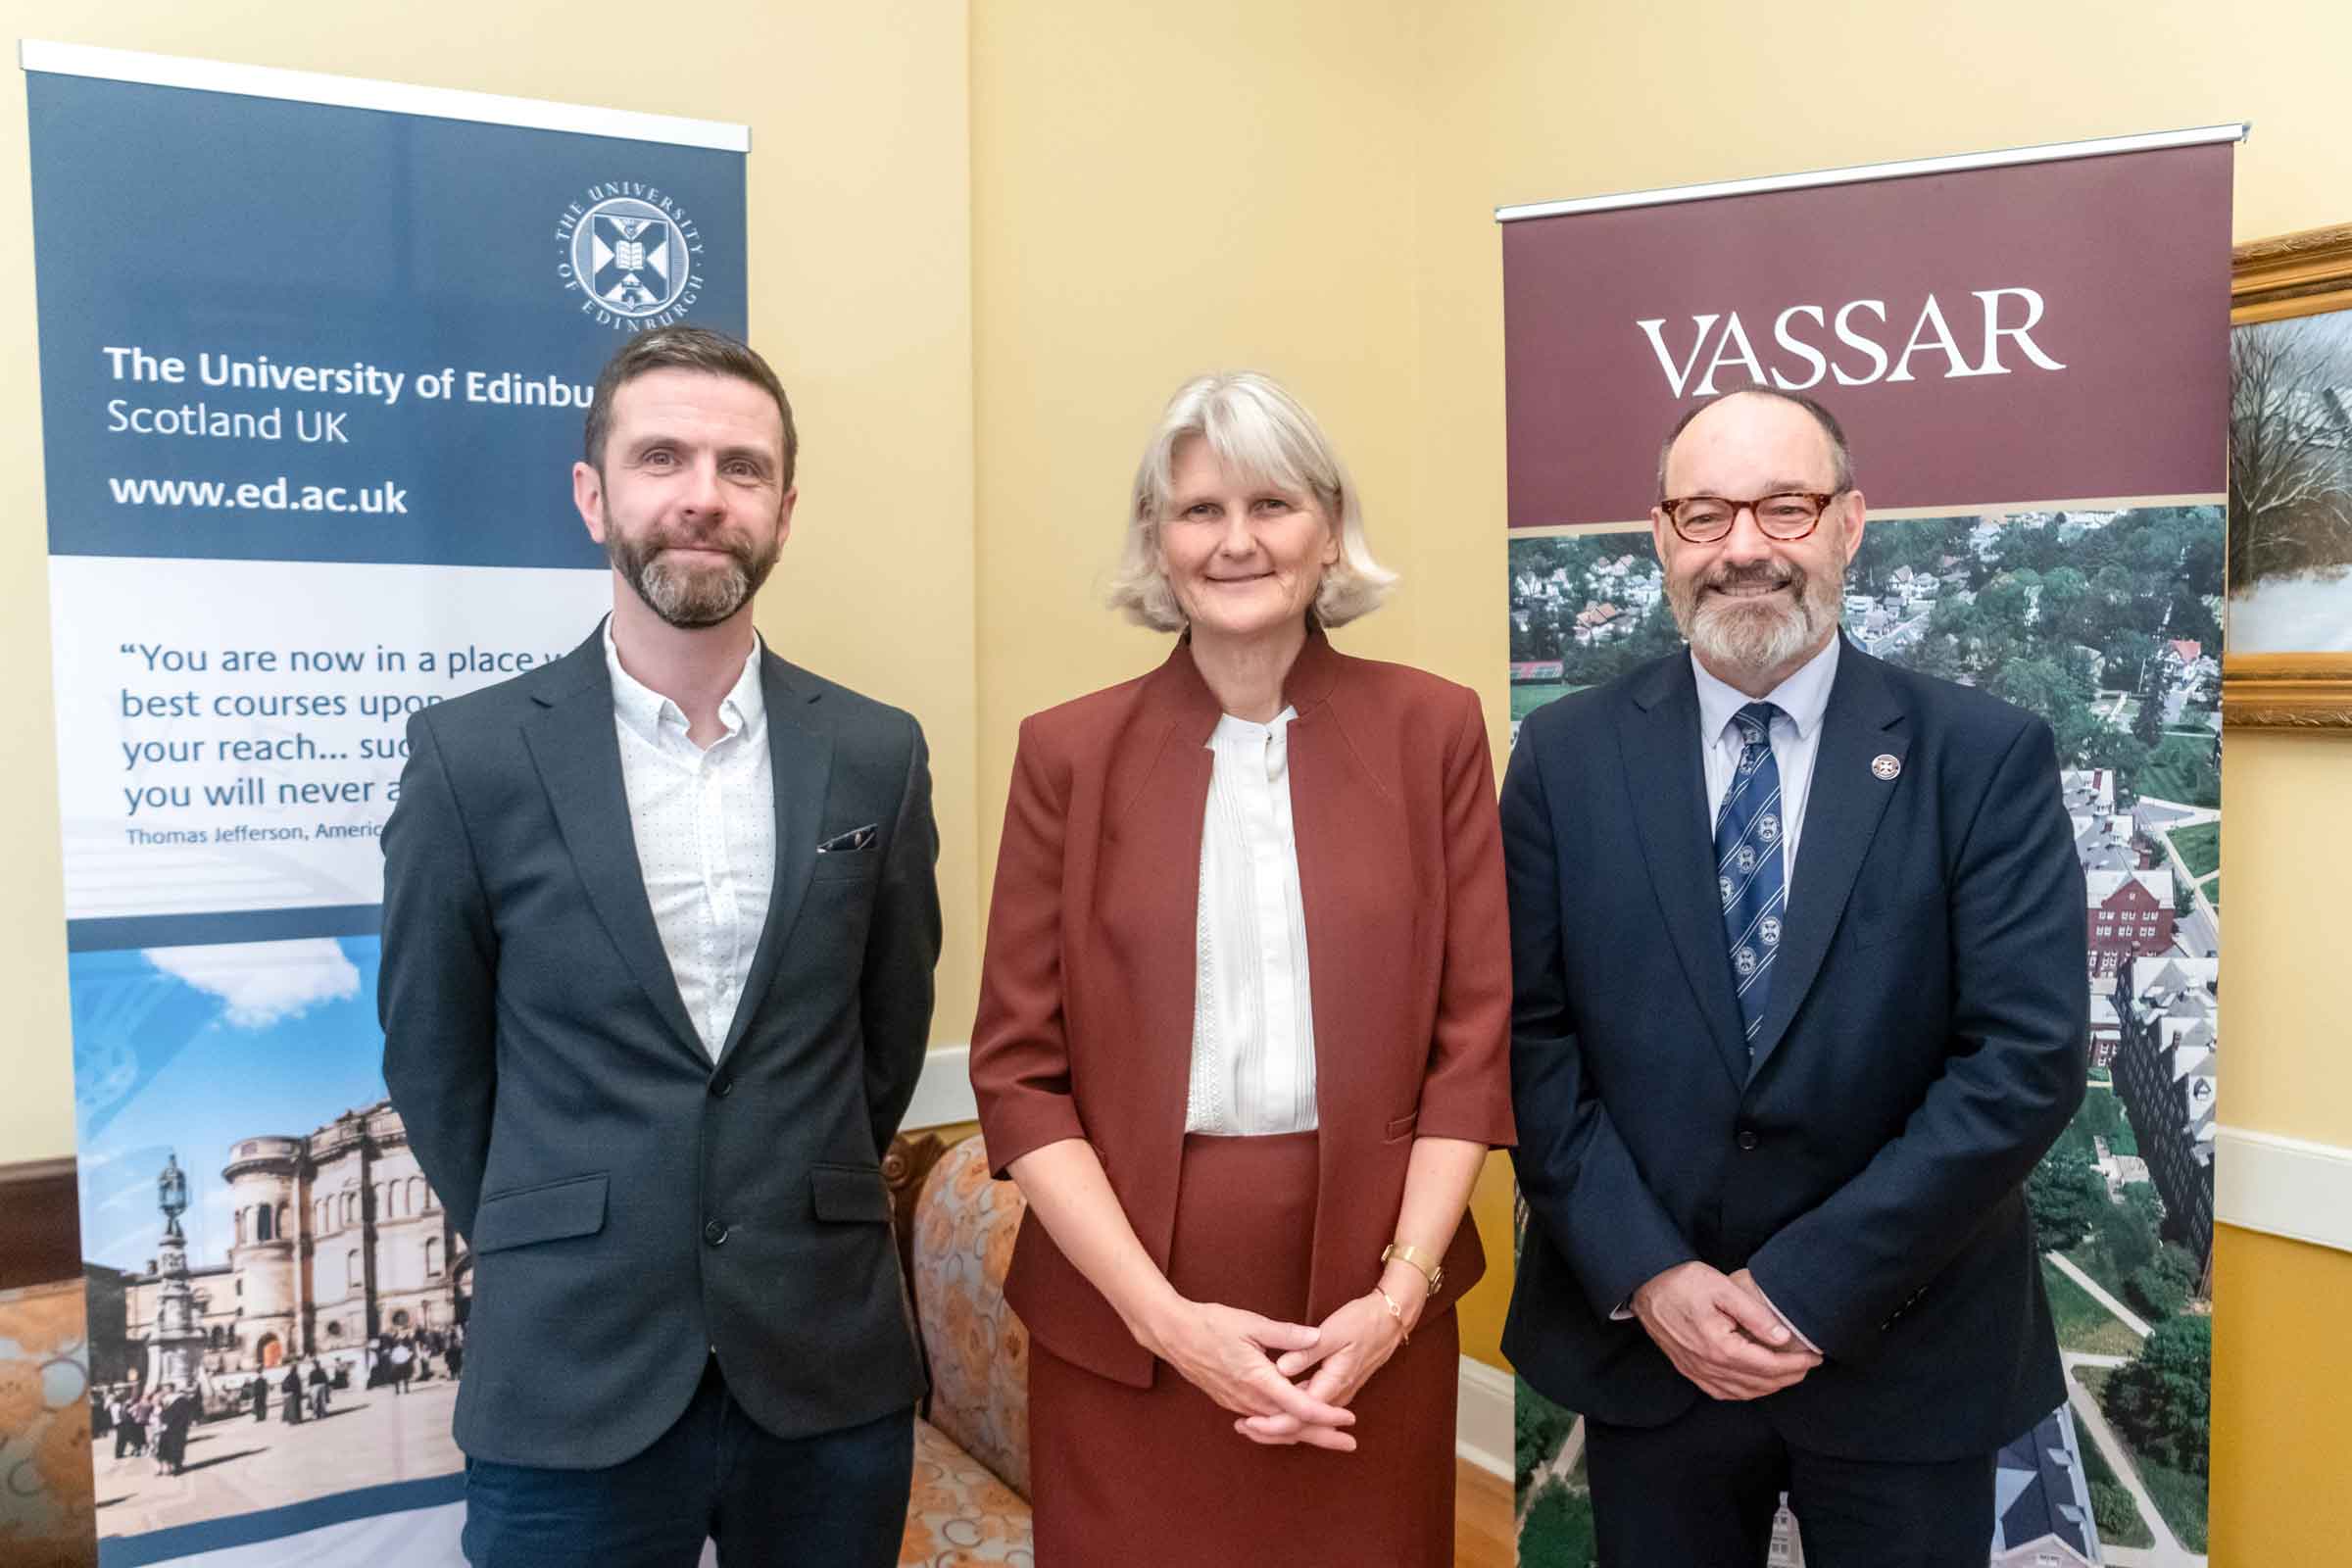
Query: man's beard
1757	636
689	597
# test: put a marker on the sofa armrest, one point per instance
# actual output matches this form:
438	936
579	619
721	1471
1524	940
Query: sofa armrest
974	1345
903	1170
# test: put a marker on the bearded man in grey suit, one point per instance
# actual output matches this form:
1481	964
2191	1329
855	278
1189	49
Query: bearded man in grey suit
660	922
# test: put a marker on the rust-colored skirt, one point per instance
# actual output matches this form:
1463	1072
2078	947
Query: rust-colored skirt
1158	1476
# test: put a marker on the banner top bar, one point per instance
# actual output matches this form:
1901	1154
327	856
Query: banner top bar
2048	152
358	92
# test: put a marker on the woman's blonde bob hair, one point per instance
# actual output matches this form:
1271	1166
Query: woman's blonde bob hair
1254	429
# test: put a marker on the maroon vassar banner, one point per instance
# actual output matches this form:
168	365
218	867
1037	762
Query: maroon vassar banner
1989	335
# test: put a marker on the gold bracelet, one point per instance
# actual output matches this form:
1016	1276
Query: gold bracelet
1406	1253
1394	1311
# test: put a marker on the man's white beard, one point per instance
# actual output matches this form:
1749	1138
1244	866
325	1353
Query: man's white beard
1757	636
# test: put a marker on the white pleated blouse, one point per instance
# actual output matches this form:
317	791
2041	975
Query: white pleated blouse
1253	1025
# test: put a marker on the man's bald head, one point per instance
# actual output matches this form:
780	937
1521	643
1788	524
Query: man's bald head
1841	460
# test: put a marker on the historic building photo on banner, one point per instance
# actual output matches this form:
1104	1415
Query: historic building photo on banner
2045	524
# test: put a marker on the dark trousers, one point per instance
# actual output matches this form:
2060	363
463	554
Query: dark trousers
833	1499
1700	1493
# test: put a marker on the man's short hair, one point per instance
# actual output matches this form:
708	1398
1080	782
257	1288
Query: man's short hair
684	348
1842	457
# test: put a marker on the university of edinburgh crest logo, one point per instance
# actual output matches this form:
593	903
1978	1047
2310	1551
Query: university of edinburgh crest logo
630	253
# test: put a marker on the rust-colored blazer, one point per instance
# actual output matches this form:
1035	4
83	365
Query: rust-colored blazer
1085	1028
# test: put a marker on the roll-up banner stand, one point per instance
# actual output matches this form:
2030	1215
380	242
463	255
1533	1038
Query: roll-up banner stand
315	355
2029	351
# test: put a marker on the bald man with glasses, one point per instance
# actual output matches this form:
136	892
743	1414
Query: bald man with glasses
1798	950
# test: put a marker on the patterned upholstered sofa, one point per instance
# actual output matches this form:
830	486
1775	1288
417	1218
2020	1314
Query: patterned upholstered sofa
971	1453
47	1497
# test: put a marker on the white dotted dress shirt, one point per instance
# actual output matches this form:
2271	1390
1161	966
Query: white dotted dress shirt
705	827
1253	1024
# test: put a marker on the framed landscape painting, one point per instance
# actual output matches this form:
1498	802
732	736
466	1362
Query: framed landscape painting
2289	629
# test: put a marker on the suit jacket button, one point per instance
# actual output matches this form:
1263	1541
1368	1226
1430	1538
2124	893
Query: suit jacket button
715	1234
1747	1139
723	1086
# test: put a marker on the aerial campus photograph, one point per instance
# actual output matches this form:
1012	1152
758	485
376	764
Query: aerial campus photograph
2107	623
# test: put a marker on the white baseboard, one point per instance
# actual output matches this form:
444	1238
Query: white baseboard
943	1095
1482	1426
2284	1186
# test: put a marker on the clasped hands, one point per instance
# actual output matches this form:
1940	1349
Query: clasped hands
1721	1333
1249	1364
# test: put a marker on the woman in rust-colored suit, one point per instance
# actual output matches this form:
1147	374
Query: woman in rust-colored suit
1241	1037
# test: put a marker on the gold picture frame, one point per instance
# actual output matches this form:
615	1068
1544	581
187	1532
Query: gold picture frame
2289	276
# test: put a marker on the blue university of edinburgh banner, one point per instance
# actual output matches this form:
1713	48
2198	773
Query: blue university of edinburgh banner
315	355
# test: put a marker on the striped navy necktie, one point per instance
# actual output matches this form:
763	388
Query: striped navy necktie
1750	875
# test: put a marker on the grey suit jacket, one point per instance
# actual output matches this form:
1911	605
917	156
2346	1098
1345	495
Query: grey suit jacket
633	1209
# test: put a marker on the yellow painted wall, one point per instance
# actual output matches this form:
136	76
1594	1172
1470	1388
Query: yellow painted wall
2282	1429
1159	191
2276	789
2282	1435
859	193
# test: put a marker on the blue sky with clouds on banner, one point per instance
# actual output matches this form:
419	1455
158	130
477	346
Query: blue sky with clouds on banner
193	1048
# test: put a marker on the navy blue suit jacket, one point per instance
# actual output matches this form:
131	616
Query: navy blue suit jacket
1923	1045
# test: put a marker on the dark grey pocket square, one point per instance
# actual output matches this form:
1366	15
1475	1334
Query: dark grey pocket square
856	838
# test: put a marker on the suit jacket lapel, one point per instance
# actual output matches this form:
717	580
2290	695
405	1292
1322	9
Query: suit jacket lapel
1330	791
577	750
1666	781
1322	792
1157	835
1843	806
800	760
